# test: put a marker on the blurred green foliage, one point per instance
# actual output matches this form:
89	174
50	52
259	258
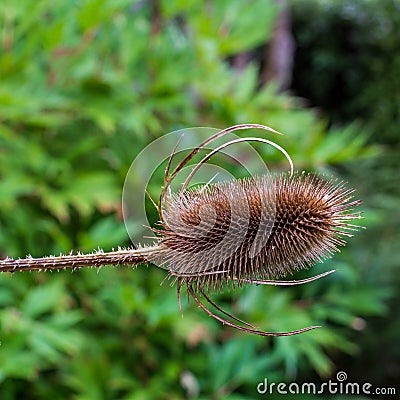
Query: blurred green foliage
348	61
84	86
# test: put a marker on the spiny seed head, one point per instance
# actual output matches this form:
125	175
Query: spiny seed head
254	229
243	231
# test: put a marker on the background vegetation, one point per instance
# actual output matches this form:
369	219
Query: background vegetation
84	86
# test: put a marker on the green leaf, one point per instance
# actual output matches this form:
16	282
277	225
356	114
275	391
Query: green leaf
44	298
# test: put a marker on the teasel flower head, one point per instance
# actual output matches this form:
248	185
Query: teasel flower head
222	235
254	230
293	222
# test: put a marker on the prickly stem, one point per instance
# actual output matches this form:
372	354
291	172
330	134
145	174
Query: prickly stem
73	261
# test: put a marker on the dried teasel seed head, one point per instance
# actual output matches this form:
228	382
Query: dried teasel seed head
253	230
275	226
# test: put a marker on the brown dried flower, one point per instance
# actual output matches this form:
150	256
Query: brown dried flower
254	230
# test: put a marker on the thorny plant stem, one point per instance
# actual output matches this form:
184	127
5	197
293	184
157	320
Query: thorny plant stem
73	261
